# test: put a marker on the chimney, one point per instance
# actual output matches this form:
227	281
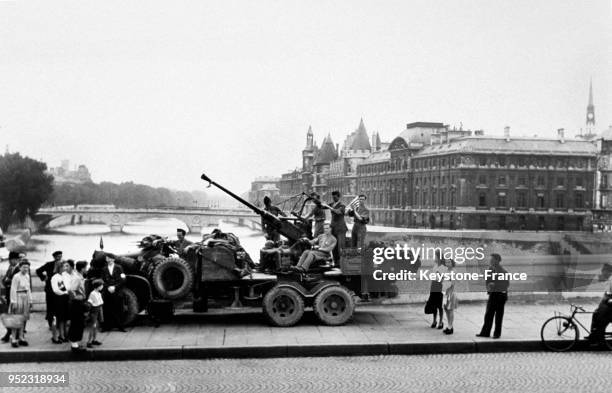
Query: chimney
507	133
561	135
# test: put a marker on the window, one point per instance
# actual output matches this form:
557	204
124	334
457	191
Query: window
501	180
560	200
604	181
522	181
501	200
579	200
482	179
482	199
540	180
521	199
483	222
502	222
540	201
560	181
579	182
442	197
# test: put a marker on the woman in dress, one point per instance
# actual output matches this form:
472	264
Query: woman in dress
435	292
60	308
450	300
21	300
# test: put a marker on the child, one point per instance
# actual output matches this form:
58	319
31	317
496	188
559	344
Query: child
96	315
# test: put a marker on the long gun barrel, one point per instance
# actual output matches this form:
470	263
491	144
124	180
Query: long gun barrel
285	228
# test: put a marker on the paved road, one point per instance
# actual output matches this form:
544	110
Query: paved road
506	372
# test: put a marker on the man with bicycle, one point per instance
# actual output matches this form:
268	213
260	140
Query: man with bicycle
602	316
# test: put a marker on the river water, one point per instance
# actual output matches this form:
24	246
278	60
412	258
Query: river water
78	242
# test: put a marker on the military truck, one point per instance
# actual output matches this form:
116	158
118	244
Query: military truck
217	275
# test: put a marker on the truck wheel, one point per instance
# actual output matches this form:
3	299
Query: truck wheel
173	278
334	305
283	306
129	306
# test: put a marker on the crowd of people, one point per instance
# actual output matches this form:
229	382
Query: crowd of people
77	299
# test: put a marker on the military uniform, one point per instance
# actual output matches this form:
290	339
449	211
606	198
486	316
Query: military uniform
338	229
326	245
358	233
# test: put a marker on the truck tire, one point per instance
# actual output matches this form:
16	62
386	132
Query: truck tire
173	278
283	306
334	305
129	306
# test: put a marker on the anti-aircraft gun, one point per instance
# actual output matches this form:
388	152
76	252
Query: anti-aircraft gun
283	225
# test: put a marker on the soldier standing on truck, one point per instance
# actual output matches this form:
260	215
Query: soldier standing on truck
338	224
361	217
271	232
318	213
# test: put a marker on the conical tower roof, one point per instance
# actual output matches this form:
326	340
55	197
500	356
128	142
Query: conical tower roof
360	139
327	153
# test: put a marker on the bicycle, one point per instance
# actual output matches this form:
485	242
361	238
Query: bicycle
561	333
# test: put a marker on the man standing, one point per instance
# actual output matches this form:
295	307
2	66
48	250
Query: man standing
113	278
45	272
323	245
181	243
7	280
272	233
318	213
338	224
498	295
361	217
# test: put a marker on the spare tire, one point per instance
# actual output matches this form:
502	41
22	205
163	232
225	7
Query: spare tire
173	278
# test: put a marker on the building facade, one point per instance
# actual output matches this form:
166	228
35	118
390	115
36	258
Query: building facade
262	187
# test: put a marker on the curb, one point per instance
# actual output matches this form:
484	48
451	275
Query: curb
275	351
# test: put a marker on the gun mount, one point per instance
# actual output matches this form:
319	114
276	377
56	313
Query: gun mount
283	226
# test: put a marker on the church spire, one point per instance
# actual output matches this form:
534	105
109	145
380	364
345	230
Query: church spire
590	115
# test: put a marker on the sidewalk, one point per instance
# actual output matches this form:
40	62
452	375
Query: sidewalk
374	330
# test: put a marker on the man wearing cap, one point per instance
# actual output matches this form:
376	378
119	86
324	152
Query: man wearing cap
114	279
7	280
45	272
181	243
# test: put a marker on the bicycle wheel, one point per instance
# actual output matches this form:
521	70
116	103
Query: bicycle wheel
559	334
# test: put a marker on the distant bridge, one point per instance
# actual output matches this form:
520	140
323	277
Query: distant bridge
117	218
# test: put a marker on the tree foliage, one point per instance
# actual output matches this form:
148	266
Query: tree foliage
24	187
127	195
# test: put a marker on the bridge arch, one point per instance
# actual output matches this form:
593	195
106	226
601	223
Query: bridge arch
116	219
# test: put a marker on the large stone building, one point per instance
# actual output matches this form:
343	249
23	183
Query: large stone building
435	176
63	173
264	186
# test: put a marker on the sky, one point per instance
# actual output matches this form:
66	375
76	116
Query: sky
159	92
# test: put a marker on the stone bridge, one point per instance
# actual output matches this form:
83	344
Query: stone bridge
117	218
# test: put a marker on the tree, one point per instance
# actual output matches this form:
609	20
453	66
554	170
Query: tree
24	187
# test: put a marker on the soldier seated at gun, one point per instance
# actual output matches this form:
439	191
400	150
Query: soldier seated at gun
180	244
322	247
